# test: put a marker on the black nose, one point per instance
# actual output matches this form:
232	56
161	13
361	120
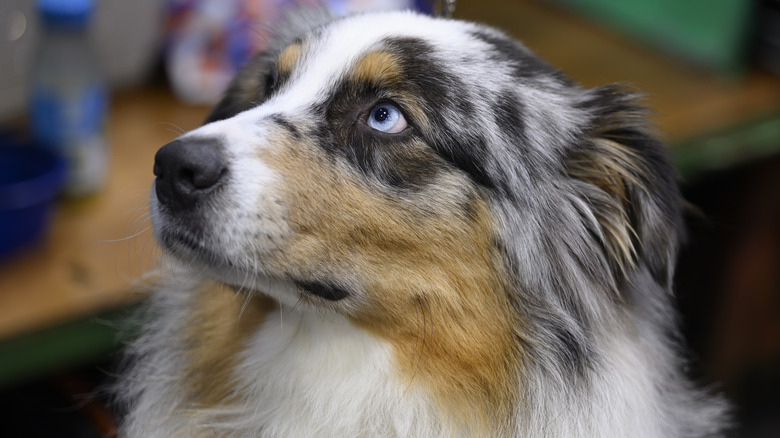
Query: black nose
187	171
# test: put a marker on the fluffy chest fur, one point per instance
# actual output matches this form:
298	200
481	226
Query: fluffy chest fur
294	374
394	225
307	374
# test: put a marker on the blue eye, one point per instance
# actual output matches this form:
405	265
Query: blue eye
386	117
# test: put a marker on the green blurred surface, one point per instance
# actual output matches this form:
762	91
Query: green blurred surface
64	346
713	33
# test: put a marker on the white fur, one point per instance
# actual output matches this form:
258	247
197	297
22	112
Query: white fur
303	374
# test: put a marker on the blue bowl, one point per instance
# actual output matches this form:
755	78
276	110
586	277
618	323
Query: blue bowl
30	180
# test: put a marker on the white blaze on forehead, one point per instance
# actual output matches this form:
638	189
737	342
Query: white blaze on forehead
327	58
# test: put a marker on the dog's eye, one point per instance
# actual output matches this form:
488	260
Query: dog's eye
386	117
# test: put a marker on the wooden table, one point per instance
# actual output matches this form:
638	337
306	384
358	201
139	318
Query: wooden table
98	248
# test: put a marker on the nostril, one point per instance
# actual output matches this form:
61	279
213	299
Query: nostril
202	177
187	176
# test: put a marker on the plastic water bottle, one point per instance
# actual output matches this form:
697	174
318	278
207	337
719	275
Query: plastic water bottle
69	98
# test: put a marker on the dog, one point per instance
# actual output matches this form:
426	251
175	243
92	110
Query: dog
394	225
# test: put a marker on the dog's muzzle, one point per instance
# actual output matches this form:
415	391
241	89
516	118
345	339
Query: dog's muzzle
188	171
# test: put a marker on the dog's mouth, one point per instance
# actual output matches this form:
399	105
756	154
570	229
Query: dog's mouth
190	246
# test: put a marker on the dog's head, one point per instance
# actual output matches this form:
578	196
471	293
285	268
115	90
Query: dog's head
427	176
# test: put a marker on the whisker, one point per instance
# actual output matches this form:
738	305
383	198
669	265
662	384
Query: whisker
281	317
128	237
178	130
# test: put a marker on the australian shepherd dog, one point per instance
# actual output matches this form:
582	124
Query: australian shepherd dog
394	225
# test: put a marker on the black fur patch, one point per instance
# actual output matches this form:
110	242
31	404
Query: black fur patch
509	115
326	291
441	92
247	90
284	123
553	335
252	86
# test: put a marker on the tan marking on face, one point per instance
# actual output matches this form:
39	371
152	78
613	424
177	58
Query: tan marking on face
382	69
434	283
379	68
289	58
221	321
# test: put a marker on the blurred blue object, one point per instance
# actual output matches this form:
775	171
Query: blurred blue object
30	180
69	98
66	13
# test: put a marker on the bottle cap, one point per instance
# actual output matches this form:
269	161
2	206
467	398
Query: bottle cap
67	14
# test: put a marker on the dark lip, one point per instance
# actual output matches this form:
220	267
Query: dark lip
185	245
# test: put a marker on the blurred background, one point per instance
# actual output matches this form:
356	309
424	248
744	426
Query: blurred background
89	90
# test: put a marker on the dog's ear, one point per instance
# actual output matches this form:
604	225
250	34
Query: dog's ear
624	176
248	89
